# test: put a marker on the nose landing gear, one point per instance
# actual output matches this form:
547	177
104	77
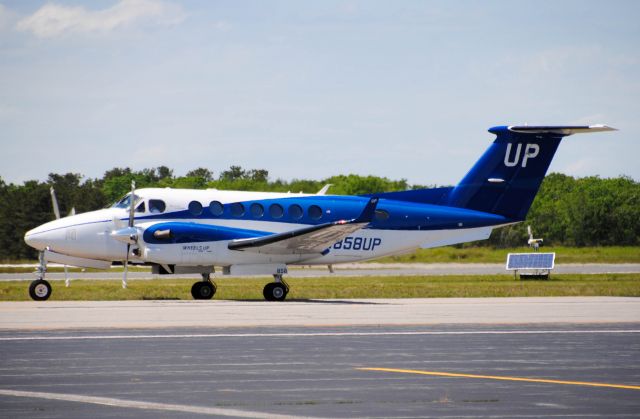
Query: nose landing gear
205	289
40	289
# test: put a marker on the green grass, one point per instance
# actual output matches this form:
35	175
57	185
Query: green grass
345	287
450	254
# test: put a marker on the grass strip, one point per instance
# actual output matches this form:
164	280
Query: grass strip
449	254
627	285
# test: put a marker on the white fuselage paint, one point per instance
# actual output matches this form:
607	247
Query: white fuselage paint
88	235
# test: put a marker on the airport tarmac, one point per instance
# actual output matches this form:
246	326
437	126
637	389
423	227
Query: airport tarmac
392	358
361	269
461	371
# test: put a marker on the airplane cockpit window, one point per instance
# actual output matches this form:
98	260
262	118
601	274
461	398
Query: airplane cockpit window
141	207
125	201
156	206
315	212
195	208
216	208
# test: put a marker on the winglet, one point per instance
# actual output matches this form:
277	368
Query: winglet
368	212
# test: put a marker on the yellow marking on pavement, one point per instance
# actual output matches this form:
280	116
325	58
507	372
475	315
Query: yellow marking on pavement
504	378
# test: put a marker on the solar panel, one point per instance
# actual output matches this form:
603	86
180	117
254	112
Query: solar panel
517	261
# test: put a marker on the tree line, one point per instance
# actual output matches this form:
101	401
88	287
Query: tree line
571	211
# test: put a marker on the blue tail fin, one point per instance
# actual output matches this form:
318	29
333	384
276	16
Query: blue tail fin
508	175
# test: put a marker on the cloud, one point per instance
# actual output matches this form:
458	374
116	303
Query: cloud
53	20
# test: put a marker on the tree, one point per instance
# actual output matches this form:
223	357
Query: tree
201	172
234	173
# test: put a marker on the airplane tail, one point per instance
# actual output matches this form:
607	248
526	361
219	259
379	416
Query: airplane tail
507	177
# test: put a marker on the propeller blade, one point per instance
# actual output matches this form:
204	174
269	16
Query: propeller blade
126	268
132	208
54	202
67	281
129	234
56	211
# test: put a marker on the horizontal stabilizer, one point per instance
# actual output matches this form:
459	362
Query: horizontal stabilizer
563	130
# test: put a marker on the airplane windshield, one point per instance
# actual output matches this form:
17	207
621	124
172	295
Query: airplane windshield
125	202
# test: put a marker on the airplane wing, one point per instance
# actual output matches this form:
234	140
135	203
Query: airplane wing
307	240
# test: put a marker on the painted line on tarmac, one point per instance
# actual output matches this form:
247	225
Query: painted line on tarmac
504	378
317	334
134	404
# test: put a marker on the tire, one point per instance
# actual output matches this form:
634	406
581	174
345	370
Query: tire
195	290
203	291
275	291
266	291
40	290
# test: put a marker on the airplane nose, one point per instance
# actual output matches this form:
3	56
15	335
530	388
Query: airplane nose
35	239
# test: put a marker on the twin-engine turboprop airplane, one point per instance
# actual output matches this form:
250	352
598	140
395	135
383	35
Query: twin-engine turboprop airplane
179	231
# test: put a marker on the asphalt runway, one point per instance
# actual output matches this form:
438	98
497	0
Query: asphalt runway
523	371
365	269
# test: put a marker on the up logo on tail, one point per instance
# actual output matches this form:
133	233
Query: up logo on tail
530	152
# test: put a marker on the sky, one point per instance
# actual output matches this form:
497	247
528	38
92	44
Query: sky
403	89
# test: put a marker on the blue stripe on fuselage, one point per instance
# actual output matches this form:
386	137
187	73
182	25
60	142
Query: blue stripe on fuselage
197	233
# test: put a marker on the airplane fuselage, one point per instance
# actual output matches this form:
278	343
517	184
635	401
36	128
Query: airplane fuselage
397	227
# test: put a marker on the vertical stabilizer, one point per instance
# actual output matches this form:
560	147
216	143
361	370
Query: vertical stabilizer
508	175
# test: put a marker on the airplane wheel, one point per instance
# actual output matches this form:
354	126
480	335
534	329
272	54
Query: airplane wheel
275	291
203	290
40	290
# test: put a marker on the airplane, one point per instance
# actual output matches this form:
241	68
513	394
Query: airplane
180	231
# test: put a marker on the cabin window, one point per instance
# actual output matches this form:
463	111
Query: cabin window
276	210
295	211
257	210
216	208
382	215
237	209
141	207
315	212
195	208
156	206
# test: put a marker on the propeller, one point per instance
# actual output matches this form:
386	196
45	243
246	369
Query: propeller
128	234
56	211
134	236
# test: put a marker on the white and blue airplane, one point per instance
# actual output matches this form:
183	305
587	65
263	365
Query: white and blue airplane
179	231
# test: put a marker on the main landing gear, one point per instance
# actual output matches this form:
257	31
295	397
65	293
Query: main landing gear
276	291
40	290
203	290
